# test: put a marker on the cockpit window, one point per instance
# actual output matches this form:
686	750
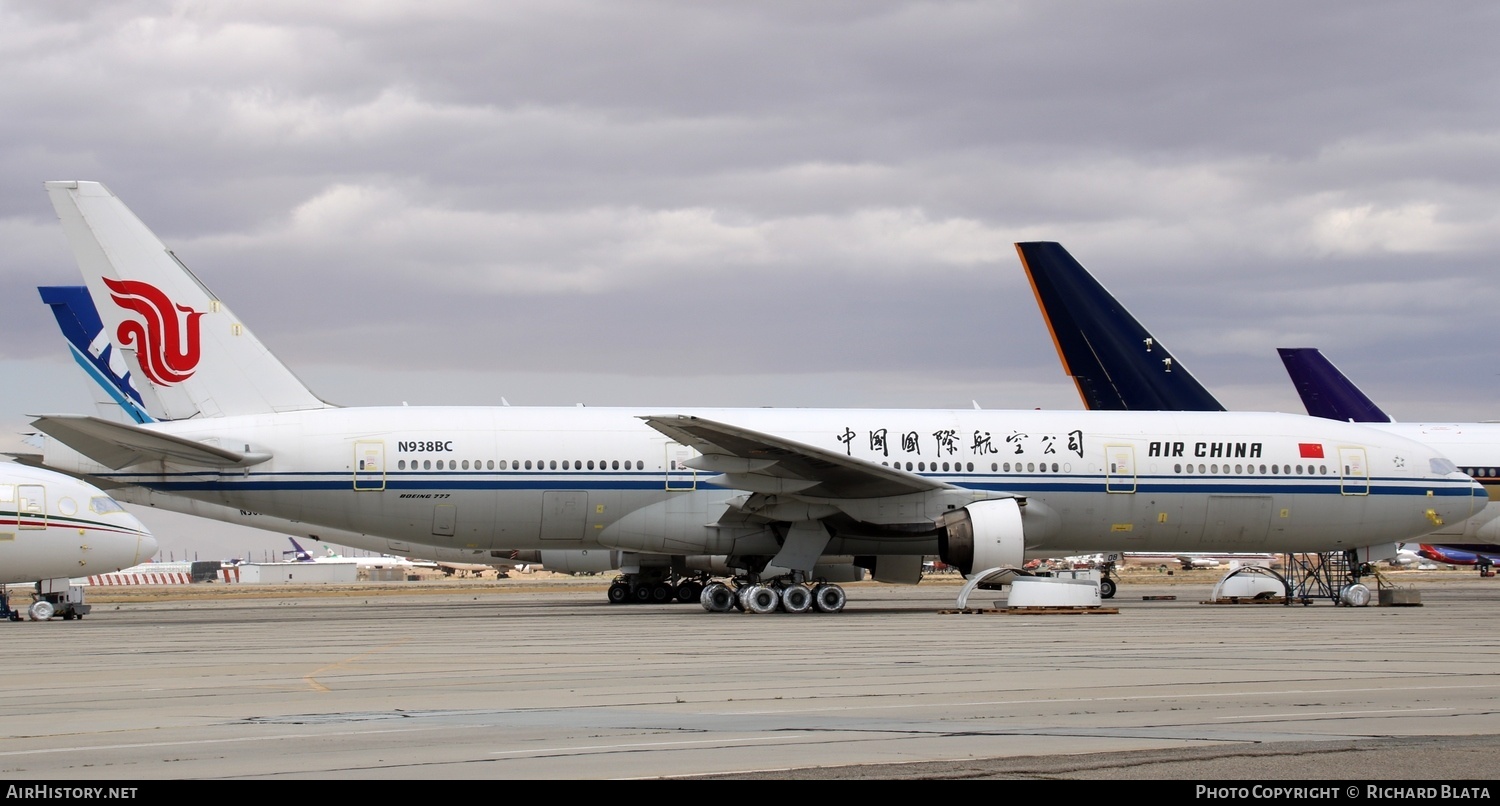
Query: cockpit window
1442	466
104	505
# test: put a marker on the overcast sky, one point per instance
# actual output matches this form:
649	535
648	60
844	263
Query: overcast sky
772	203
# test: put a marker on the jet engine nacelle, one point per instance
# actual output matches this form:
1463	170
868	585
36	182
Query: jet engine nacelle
983	535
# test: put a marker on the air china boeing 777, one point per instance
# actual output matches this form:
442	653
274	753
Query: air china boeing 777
776	492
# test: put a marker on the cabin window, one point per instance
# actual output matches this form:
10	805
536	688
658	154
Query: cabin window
452	464
466	464
565	464
401	465
528	464
426	464
552	465
1030	467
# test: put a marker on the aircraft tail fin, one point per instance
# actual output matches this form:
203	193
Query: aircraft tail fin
297	553
1325	391
1115	362
187	353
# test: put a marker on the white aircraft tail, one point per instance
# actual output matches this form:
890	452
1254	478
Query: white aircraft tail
190	356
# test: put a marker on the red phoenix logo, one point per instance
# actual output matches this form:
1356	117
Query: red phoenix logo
166	344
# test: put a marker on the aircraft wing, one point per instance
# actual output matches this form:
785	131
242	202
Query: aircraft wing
759	462
117	445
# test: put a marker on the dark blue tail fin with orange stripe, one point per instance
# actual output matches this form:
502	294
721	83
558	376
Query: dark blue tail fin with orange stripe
1115	362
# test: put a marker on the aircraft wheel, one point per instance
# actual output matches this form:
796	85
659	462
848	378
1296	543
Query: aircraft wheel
829	598
40	611
1106	589
760	599
662	592
619	593
643	593
796	599
717	598
688	591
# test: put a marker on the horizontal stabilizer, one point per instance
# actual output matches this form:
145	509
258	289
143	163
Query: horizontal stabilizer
117	445
1116	364
1325	391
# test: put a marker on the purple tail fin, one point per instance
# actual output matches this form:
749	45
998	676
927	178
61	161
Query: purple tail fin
1325	392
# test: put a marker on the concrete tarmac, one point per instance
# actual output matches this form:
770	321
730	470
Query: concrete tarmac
512	680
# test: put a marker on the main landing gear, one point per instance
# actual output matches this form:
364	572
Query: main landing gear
739	595
760	597
630	588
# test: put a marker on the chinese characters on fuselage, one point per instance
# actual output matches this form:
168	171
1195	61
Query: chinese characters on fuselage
949	442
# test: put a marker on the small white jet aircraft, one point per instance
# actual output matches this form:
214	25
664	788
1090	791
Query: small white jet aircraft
780	494
54	528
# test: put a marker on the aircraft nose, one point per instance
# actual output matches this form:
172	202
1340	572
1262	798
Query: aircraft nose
145	548
1464	507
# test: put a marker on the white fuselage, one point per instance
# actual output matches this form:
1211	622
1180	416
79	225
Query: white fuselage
53	526
583	478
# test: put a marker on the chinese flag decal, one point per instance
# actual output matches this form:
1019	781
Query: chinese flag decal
1311	450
